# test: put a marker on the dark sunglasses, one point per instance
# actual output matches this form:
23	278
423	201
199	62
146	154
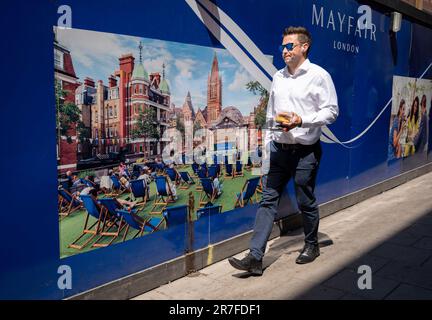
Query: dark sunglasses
289	46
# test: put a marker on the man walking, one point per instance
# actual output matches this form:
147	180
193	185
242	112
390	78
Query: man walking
302	99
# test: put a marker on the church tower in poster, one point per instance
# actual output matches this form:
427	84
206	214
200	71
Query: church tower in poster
214	92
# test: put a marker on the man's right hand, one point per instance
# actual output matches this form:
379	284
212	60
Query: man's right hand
288	120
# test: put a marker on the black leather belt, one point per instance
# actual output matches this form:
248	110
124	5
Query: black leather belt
289	146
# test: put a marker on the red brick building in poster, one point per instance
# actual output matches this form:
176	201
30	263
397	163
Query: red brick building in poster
65	76
111	112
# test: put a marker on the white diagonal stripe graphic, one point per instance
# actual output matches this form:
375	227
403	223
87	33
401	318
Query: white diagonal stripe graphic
231	46
241	36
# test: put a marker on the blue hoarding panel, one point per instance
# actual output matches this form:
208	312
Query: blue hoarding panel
373	71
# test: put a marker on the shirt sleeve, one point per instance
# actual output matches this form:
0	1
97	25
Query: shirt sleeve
327	110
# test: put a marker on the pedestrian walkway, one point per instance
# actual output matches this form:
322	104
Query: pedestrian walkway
391	233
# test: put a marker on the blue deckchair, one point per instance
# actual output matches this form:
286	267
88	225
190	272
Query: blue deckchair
117	186
238	169
128	174
163	194
204	166
136	171
260	186
186	180
173	175
148	225
111	218
213	171
140	189
202	173
208	193
176	215
95	210
208	211
247	192
160	167
67	203
248	166
88	183
195	168
229	170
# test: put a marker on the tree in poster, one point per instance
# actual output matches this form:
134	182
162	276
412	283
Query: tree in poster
68	115
260	116
146	126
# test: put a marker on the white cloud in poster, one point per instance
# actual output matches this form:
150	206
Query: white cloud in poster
185	68
95	53
241	77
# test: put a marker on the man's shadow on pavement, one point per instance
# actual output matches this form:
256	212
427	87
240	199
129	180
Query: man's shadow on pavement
288	242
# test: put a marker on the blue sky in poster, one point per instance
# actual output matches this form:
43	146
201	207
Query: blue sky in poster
95	55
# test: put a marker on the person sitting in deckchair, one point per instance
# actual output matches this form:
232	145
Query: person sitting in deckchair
144	175
218	186
171	185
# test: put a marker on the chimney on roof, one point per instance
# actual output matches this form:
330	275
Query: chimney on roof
89	82
112	81
126	62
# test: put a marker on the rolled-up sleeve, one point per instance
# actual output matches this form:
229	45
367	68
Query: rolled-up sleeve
327	110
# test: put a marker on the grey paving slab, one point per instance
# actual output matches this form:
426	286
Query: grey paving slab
409	292
405	238
428	263
374	262
421	229
426	220
396	270
424	243
350	296
289	289
407	254
322	293
414	275
347	279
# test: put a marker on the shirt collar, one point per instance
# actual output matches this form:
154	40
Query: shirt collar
304	67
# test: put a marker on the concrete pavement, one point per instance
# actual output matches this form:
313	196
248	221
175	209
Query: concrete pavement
391	233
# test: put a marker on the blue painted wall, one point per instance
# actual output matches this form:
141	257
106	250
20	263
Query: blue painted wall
29	251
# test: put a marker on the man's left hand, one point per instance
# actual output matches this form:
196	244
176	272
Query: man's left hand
295	121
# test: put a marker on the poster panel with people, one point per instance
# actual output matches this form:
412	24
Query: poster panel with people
410	115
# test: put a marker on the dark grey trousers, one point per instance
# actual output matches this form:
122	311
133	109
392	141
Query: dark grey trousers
300	163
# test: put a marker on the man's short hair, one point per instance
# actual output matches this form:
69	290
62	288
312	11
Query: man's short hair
302	33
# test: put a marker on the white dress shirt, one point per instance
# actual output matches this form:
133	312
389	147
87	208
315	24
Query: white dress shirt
311	94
